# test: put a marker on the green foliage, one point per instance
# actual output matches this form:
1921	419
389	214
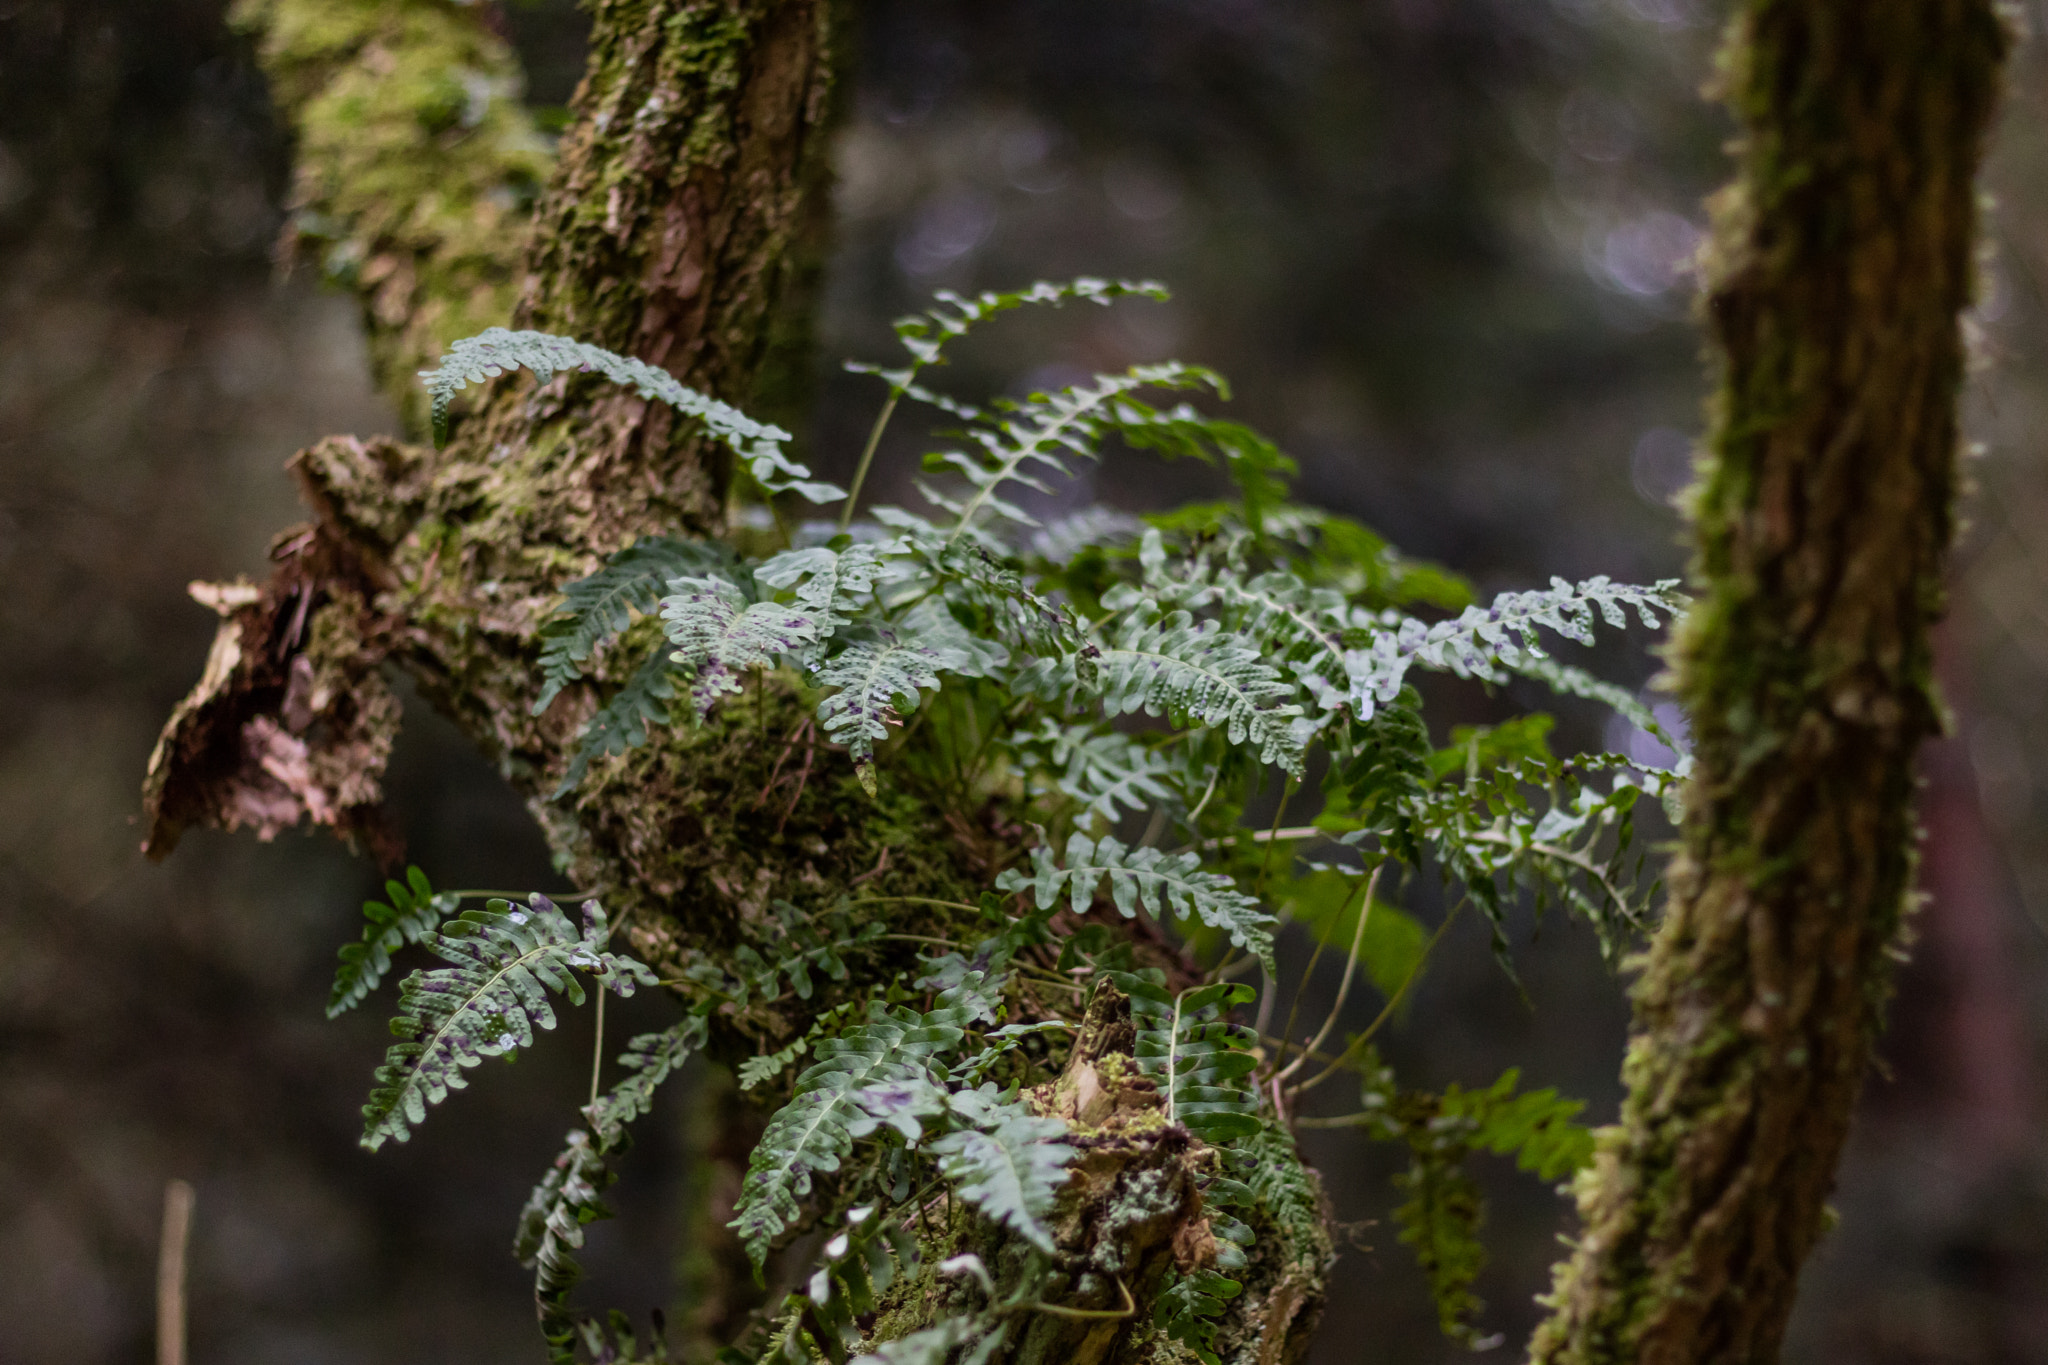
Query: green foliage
1085	681
1165	884
1442	1215
506	960
415	909
495	350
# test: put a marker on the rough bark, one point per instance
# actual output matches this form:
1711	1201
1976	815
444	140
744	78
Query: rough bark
1842	261
682	214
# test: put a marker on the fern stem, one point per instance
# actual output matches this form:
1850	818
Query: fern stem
867	454
1273	835
1350	974
597	1046
1059	1311
519	897
1351	1049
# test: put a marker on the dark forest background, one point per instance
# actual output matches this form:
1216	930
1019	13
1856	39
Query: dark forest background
1440	245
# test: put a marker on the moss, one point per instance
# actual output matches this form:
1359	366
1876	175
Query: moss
417	167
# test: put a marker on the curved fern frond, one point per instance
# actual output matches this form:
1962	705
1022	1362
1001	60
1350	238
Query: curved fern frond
831	585
1167	884
872	676
1060	541
412	914
506	960
720	634
597	608
495	350
1570	680
926	335
1473	644
551	1226
857	1266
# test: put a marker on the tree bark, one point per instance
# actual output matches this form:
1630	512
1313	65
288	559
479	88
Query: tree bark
683	212
1842	261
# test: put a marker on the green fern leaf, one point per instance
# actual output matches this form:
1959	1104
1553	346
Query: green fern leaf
412	914
1200	1060
816	1130
496	350
622	722
506	960
1191	671
597	608
1105	771
1009	1165
872	676
1166	884
720	634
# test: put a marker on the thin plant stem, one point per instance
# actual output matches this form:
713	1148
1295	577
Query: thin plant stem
1272	835
170	1273
1301	989
1350	974
597	1046
1345	1057
867	456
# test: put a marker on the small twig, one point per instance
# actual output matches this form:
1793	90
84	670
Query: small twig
875	871
170	1273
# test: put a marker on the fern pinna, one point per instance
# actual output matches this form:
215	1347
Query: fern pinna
1093	705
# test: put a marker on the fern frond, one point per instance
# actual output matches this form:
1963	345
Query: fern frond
973	575
622	722
495	350
932	1345
1105	771
568	1196
857	1266
1092	527
831	585
506	960
1440	1221
871	677
412	914
1572	681
1474	644
1200	1060
1167	884
720	634
926	335
816	1130
1190	671
1191	1307
1009	1165
597	608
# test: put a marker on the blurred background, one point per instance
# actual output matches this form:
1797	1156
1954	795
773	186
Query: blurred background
1440	245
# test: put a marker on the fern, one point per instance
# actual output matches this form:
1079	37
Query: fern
595	609
412	914
622	722
1190	671
720	634
1503	633
567	1198
871	677
496	350
506	961
857	1266
1008	1165
1200	1060
815	1131
1164	883
1107	773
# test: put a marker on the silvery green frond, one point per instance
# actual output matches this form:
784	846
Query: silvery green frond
926	335
872	676
971	573
596	608
832	585
1060	541
720	634
506	960
492	352
954	648
1010	1165
816	1130
1166	884
1477	642
1572	681
1106	771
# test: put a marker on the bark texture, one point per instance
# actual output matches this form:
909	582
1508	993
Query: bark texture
1842	261
682	218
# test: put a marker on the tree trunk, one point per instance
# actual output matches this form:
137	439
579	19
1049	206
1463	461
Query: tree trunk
1842	261
683	212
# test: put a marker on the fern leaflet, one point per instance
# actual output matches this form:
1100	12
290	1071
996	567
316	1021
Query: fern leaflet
1166	884
597	608
506	960
871	677
412	914
720	634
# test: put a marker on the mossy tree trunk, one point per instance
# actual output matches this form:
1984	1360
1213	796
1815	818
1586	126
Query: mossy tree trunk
1841	264
679	222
